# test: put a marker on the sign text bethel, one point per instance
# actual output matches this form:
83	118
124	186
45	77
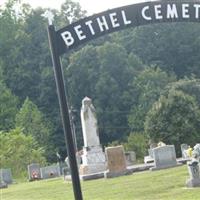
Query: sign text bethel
120	18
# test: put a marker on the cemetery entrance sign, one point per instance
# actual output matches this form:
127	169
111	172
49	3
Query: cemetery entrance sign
89	28
128	16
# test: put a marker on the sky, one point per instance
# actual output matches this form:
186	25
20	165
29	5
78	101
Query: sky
92	6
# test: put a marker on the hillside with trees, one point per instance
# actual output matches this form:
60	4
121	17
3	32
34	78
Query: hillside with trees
144	83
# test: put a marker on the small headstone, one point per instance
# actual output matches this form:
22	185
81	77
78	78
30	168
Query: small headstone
6	176
193	168
34	172
130	158
50	172
164	157
116	162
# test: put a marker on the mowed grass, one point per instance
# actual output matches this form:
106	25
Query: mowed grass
166	184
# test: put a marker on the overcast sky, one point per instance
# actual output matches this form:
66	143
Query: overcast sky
92	6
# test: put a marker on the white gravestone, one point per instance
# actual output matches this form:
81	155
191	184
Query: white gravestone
164	157
93	158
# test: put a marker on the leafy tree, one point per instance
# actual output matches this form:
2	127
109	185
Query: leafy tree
174	119
81	75
135	63
190	86
99	72
114	74
112	88
11	53
104	73
8	108
33	123
137	142
146	89
174	47
18	150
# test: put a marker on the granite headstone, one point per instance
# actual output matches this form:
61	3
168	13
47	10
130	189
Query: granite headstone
6	176
34	172
116	162
50	172
164	157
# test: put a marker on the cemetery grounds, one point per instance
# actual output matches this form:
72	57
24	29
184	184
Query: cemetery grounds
166	184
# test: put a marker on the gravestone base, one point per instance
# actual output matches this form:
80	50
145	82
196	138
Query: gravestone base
165	167
88	177
3	185
91	169
190	183
93	159
109	174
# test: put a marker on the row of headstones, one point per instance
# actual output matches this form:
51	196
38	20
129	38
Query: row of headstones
5	178
164	157
116	162
35	172
113	154
156	152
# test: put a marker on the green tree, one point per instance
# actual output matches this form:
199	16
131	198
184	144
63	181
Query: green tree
104	73
18	150
190	86
137	142
112	91
174	47
8	108
146	89
174	119
33	123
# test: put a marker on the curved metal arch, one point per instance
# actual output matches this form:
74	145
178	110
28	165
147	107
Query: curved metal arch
117	19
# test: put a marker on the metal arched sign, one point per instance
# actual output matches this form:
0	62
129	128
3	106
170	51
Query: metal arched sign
117	19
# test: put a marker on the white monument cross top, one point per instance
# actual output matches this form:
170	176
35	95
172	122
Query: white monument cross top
49	15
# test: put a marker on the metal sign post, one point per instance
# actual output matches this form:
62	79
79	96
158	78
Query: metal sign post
64	112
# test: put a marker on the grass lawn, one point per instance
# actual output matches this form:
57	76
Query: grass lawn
159	185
